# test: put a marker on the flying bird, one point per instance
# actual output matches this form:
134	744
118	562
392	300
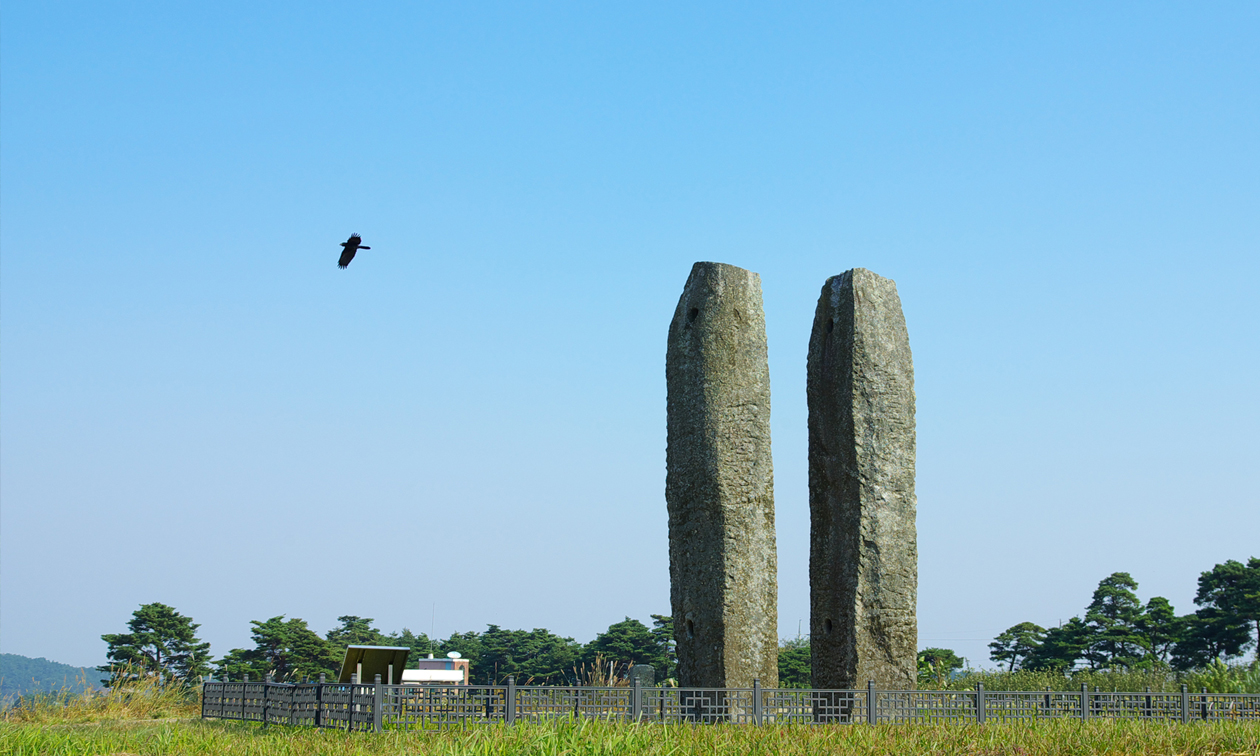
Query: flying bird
349	247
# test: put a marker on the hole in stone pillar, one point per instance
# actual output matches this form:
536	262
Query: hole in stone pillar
695	312
827	626
691	630
831	325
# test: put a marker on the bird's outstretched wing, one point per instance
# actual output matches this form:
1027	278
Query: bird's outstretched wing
347	254
354	240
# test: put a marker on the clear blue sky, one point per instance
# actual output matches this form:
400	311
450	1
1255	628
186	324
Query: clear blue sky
467	426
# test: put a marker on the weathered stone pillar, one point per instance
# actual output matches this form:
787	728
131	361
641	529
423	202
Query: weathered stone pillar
863	560
719	483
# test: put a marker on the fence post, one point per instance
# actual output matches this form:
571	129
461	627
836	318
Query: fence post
872	701
1205	705
319	701
980	703
509	704
636	698
1084	702
266	704
1185	704
378	705
351	706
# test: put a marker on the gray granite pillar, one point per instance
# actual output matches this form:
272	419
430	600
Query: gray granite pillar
642	674
719	483
863	561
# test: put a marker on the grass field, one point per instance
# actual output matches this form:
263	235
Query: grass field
147	718
194	736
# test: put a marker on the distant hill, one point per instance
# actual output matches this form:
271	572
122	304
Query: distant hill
21	674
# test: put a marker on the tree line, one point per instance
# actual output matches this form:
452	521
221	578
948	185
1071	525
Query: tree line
1116	631
164	642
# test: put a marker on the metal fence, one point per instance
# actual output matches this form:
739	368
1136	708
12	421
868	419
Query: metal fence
375	706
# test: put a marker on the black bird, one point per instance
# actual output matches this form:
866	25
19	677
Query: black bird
349	247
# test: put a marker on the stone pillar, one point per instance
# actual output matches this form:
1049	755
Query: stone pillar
719	483
863	558
642	674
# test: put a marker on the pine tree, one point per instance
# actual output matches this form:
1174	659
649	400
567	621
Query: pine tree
354	631
1233	589
1061	647
420	645
663	631
1112	618
1016	643
937	665
625	643
795	663
1159	628
286	649
534	657
161	641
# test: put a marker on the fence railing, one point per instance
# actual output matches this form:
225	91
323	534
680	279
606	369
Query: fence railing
376	706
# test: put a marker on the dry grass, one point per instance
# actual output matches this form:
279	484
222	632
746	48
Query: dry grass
602	674
143	697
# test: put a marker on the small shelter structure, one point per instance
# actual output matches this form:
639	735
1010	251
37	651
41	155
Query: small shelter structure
369	661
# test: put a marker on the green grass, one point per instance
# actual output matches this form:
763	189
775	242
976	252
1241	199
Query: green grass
147	718
593	737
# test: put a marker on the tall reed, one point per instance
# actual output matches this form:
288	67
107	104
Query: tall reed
138	695
602	674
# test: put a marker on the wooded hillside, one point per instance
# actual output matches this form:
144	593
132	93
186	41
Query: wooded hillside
21	674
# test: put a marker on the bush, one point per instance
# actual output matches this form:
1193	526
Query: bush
1218	678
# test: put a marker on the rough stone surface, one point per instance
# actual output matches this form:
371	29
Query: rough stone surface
863	562
719	483
643	674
